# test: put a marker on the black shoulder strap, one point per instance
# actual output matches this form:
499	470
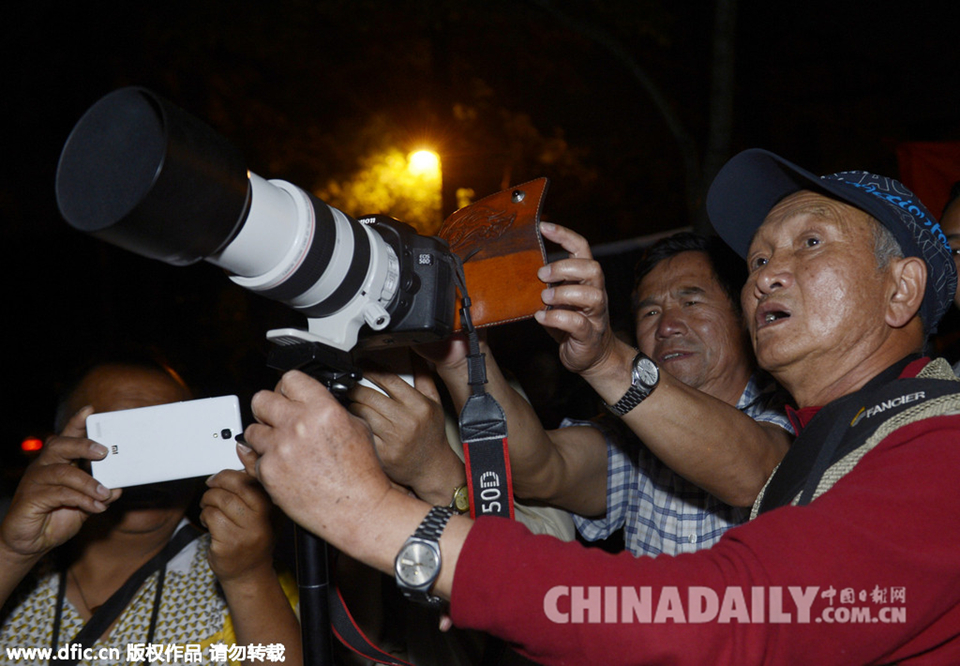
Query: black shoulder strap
347	631
839	429
483	427
119	600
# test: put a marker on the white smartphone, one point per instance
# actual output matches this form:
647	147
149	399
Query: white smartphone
180	440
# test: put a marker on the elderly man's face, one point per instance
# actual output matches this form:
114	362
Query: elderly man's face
814	291
686	322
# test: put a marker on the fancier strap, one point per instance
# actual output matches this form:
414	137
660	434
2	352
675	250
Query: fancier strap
846	425
118	601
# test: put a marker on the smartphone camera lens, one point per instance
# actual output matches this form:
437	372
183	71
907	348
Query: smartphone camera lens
226	434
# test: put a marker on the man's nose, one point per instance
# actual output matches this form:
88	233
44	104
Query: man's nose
774	274
672	322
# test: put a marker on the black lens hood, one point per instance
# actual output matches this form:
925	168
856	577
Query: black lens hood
141	173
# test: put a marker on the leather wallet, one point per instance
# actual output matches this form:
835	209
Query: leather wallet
498	239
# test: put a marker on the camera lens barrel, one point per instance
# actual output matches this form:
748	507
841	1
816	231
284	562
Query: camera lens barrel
140	173
321	264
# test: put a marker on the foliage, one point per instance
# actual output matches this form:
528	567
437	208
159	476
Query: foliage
385	184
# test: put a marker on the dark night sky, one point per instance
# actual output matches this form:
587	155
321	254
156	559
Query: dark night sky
828	84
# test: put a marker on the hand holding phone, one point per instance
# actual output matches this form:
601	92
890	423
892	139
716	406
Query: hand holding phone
180	440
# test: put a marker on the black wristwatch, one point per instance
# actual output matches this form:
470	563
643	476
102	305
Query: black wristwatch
644	377
417	565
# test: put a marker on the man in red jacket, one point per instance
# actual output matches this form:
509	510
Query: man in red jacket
854	557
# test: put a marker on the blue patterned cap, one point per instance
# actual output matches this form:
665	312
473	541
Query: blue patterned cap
753	182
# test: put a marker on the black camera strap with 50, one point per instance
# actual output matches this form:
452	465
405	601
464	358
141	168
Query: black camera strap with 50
483	428
483	431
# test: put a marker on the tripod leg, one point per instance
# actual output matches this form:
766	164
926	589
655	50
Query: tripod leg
313	576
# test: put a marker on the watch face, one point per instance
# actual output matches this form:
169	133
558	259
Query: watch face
645	372
461	500
417	564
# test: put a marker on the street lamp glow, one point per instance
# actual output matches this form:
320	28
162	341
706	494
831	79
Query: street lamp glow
424	162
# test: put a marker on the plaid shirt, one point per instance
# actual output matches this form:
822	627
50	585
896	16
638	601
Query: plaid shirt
660	511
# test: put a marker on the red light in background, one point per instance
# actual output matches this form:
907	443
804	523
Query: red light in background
31	445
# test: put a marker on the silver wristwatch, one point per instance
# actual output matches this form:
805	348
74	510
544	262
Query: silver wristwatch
644	377
417	565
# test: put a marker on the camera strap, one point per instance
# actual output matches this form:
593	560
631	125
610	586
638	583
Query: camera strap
842	427
345	628
498	249
483	427
483	430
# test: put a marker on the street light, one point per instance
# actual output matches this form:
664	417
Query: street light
424	188
424	163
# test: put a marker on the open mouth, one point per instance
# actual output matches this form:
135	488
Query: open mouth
670	356
770	316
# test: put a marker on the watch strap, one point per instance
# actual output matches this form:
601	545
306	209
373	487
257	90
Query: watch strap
633	397
433	523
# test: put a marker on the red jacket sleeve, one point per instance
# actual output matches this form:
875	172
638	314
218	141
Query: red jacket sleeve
867	573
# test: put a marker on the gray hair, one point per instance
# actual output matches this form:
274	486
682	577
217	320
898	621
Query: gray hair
885	246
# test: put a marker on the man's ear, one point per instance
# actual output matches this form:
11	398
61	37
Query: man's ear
909	282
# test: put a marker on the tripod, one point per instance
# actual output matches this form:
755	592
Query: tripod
335	370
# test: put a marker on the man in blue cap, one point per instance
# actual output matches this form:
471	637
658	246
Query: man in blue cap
853	558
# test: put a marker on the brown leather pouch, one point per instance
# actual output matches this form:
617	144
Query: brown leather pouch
498	239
